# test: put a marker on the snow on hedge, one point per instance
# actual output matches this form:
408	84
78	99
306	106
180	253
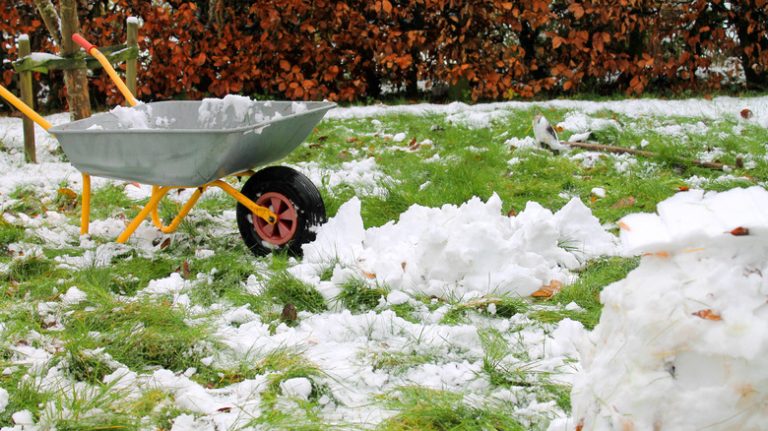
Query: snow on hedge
682	341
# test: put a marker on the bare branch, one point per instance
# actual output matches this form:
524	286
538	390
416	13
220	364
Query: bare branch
50	19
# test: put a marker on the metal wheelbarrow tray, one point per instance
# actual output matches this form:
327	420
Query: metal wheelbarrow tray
184	148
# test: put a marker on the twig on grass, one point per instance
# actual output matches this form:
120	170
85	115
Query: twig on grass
621	150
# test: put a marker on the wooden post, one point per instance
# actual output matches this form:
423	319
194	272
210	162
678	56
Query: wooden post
130	65
27	96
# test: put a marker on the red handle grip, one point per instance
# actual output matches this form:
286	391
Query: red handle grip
80	40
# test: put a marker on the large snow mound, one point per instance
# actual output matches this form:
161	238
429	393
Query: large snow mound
457	252
682	341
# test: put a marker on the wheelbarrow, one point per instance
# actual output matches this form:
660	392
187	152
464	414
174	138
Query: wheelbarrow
194	144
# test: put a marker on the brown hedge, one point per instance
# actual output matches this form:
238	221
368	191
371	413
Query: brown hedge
352	49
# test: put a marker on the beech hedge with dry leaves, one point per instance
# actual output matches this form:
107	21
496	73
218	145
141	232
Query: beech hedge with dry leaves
352	49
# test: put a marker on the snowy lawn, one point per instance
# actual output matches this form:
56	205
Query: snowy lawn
415	307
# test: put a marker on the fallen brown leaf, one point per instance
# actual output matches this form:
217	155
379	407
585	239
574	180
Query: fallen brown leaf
740	231
661	254
548	290
67	192
707	314
626	202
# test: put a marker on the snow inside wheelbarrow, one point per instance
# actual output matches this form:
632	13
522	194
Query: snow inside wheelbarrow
187	143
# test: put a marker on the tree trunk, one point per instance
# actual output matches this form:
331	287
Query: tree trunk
76	80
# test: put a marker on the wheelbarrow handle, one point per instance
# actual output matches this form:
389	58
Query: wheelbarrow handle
92	50
80	40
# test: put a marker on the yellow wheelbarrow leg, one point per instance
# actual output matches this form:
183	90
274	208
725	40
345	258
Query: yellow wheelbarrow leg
157	196
180	216
85	211
262	212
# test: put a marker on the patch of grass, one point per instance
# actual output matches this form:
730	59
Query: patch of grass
496	349
283	288
139	334
359	297
27	201
505	306
85	367
26	269
230	268
23	395
586	291
285	364
109	201
9	233
399	362
432	410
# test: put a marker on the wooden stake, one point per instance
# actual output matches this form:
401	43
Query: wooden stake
130	66
621	150
27	96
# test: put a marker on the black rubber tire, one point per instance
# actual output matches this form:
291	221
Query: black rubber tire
302	193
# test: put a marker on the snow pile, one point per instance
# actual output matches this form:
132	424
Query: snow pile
137	117
682	341
238	110
236	107
458	252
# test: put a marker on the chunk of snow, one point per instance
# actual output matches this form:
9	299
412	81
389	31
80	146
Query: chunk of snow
526	142
298	387
136	117
598	192
73	296
397	297
580	137
3	399
682	339
400	137
23	417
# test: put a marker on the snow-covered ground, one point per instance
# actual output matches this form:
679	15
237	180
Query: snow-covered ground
678	345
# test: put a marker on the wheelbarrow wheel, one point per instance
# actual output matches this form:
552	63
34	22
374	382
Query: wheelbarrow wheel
296	202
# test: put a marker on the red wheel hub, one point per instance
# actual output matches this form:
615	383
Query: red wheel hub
285	227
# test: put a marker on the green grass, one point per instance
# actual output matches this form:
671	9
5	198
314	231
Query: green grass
358	296
432	410
138	334
144	332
